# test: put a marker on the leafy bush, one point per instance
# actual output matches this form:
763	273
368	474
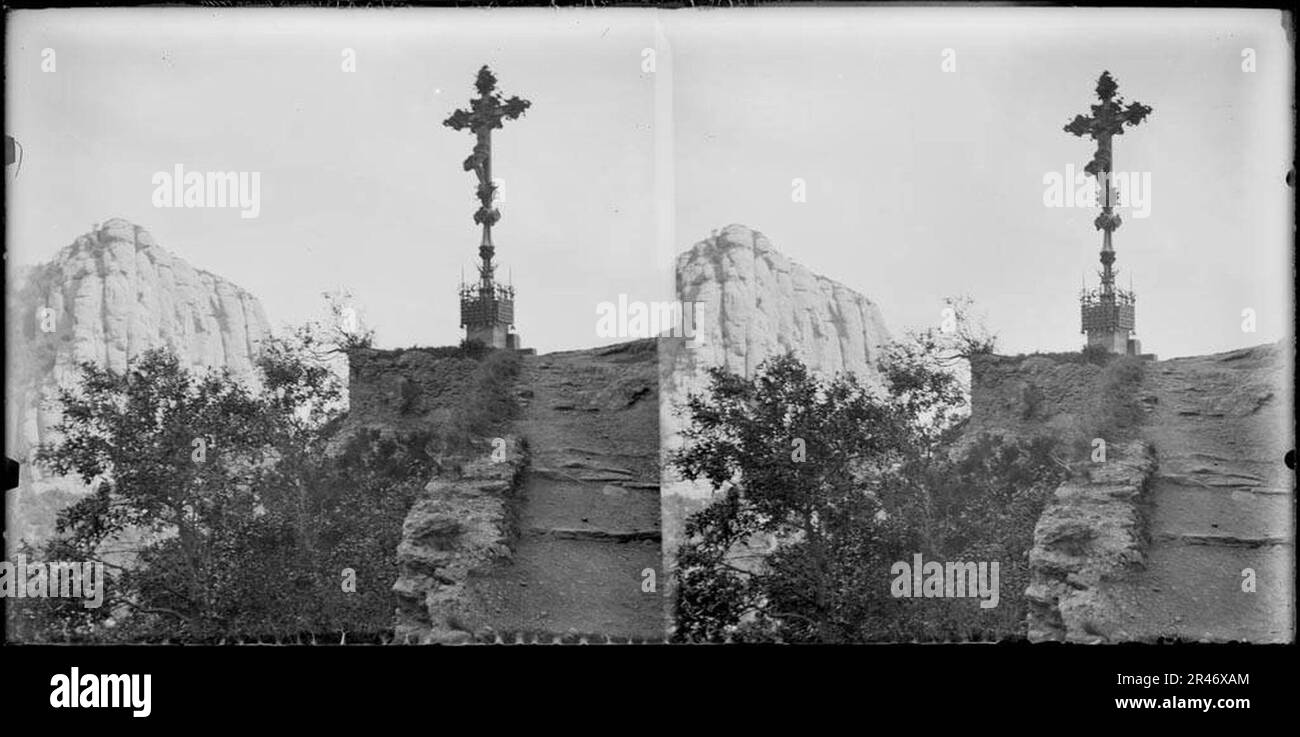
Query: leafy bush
1093	354
800	547
1031	400
1096	355
256	536
1115	411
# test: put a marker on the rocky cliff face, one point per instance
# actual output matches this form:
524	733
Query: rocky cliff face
106	298
1221	503
757	303
458	527
1093	532
553	527
1184	531
587	555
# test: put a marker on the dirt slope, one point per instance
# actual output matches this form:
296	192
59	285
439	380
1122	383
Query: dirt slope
1222	501
589	510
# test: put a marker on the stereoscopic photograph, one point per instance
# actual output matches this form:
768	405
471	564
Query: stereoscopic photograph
801	325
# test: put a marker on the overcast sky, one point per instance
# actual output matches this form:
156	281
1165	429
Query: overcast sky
920	182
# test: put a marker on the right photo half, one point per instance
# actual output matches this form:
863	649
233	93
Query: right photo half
988	326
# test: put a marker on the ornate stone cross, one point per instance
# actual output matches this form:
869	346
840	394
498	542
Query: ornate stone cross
1107	121
487	111
1108	314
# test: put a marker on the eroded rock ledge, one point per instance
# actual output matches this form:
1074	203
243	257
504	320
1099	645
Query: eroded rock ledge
1092	532
458	526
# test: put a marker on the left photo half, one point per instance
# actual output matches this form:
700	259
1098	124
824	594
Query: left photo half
323	327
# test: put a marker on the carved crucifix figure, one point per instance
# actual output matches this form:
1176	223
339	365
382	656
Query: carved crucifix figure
487	111
1107	121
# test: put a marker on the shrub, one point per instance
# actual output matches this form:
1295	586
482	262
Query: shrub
877	484
1115	411
258	537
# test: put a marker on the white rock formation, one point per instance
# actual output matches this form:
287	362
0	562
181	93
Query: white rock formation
757	303
108	297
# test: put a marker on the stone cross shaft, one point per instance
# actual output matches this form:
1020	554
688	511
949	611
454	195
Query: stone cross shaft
487	111
1107	121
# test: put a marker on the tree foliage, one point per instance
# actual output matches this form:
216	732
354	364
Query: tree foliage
217	508
798	546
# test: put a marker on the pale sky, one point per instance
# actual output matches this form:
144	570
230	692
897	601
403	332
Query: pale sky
361	185
920	183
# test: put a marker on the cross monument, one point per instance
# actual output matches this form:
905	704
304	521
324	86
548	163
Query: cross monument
1108	311
487	307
